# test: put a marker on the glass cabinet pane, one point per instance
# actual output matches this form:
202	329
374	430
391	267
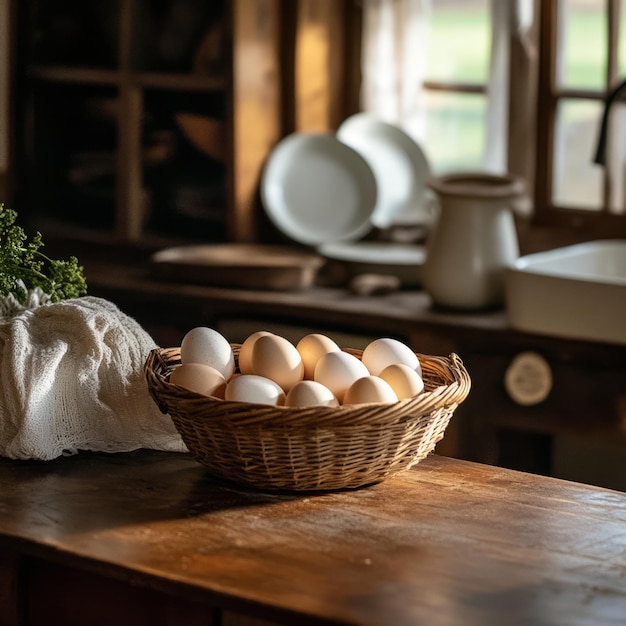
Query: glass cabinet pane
577	181
72	152
184	164
582	44
186	36
72	32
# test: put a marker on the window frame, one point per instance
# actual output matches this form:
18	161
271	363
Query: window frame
534	96
522	107
582	223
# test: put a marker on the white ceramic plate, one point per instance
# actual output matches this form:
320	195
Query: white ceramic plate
400	168
316	189
363	257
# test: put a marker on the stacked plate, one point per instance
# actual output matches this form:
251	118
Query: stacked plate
330	190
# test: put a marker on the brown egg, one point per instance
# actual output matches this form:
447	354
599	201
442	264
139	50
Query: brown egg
199	378
370	389
310	393
404	380
311	348
245	351
276	358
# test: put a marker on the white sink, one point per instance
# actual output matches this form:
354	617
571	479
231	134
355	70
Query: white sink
577	291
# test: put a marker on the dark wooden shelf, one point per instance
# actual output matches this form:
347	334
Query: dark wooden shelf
220	81
96	76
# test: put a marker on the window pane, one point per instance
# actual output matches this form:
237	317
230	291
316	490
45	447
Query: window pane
460	44
455	130
577	181
582	44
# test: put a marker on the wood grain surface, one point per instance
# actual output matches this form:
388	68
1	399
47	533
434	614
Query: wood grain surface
449	542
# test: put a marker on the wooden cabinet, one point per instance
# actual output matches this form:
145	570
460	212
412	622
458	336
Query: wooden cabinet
139	119
135	120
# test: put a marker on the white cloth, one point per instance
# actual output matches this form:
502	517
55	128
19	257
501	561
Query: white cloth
71	379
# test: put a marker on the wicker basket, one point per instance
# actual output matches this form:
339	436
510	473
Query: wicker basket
312	448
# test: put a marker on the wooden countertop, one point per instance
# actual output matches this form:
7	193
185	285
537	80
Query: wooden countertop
396	312
449	542
406	313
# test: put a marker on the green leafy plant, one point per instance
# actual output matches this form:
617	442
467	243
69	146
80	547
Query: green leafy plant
23	266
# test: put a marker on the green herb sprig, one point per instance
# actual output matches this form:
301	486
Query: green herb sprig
23	266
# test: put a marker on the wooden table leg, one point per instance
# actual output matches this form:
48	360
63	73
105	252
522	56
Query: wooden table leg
9	589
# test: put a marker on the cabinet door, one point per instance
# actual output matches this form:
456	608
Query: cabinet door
141	120
176	71
65	112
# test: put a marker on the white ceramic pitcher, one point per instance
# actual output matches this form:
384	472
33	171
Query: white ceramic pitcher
473	239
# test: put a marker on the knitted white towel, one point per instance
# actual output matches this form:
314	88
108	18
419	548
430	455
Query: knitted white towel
71	379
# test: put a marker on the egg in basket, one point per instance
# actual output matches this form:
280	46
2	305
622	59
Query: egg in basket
306	417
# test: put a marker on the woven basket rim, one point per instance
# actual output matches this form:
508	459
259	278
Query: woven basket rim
309	448
167	395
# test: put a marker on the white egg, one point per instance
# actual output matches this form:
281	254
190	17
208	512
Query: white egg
276	358
369	389
385	351
404	380
310	393
199	378
311	348
253	388
207	346
338	370
245	351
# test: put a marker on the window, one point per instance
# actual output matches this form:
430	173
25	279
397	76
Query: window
510	84
455	84
441	70
575	79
